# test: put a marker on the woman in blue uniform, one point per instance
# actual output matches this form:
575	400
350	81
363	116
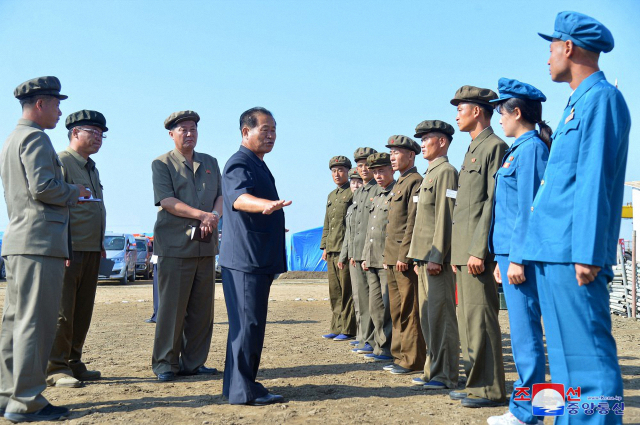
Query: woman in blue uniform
517	181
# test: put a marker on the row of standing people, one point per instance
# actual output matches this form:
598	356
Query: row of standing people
54	242
541	217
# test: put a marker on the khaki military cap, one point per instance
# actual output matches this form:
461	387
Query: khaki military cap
41	86
178	117
363	153
353	174
86	117
429	126
341	161
379	159
403	142
475	95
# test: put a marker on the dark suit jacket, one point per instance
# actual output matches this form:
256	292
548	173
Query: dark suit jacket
251	242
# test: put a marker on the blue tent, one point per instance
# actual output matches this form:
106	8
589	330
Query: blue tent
304	253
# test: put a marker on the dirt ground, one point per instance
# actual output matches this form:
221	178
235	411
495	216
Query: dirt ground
322	381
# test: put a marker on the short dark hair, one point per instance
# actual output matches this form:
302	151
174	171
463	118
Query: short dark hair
445	135
173	127
249	118
531	111
31	100
488	110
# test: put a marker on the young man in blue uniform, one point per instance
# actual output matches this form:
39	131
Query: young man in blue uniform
575	219
252	253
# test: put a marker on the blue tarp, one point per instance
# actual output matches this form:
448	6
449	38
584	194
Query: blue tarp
304	253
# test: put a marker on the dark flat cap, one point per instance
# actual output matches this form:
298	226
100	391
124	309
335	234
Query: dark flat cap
86	117
178	117
363	153
475	95
403	142
583	30
429	126
41	86
353	174
508	88
341	161
379	159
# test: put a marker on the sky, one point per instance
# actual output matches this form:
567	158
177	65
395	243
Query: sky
337	75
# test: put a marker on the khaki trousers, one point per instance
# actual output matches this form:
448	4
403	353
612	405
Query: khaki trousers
361	288
379	311
185	314
354	294
480	337
437	307
32	299
407	343
74	317
343	320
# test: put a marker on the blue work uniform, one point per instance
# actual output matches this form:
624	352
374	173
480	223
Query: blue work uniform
575	218
517	182
252	252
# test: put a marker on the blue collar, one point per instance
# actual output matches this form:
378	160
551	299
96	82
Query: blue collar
523	138
251	155
585	86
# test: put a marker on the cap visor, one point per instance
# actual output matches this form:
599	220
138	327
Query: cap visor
60	96
546	37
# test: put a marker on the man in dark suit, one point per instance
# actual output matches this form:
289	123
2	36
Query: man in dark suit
251	254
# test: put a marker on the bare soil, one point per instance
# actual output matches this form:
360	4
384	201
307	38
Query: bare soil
322	381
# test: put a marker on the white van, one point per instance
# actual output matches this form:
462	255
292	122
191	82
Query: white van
121	249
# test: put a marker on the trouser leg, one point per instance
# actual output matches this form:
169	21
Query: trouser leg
444	342
413	348
335	293
198	321
246	296
379	311
154	316
366	325
175	280
395	302
354	294
480	337
582	351
347	312
32	301
423	311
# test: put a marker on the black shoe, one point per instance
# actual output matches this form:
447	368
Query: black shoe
473	401
47	413
166	376
457	395
267	399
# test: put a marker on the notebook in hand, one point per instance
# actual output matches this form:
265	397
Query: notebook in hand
196	235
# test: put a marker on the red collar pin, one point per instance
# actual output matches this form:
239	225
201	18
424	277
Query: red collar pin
208	171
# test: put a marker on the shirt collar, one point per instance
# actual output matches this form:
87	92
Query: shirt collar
389	188
523	138
83	162
406	173
480	138
251	155
29	123
585	86
196	159
433	164
345	186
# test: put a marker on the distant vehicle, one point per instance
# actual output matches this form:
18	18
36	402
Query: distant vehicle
143	264
121	249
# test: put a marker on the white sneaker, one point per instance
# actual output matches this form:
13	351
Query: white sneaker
508	419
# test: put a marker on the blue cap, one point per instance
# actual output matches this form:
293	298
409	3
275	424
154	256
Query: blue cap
583	30
509	88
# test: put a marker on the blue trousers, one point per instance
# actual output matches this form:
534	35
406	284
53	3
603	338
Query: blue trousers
582	351
526	336
246	296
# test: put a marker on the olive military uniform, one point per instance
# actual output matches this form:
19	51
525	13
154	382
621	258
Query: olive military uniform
343	317
376	275
185	267
407	344
431	242
35	245
88	222
478	303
